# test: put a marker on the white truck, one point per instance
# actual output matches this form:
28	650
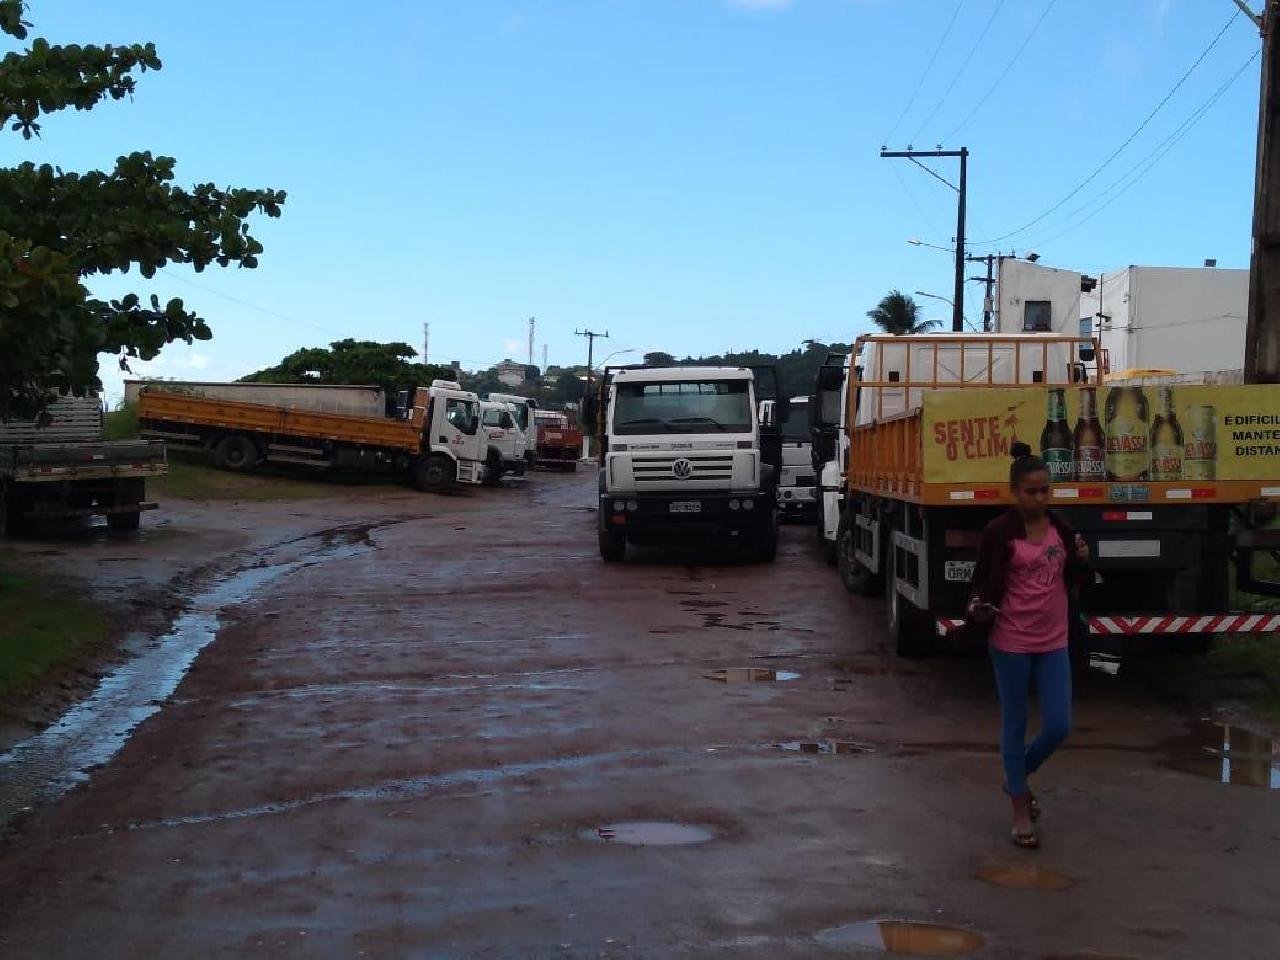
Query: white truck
684	458
506	447
523	408
60	466
796	494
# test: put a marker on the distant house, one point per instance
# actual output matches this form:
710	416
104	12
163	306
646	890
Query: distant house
510	373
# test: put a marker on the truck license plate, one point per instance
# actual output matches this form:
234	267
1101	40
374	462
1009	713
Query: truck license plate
959	571
685	506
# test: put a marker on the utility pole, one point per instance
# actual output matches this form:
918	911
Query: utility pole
1262	334
591	346
957	310
988	301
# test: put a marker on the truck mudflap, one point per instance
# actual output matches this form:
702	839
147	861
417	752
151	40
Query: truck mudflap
1163	624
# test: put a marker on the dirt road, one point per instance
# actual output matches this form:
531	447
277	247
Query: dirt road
426	734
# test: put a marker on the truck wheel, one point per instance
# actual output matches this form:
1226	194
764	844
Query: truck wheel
613	546
237	452
494	469
854	574
911	631
766	543
124	521
435	472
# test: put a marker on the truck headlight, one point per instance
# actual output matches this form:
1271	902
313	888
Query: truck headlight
632	506
734	504
619	505
748	504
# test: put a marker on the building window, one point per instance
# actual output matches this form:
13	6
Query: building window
1035	316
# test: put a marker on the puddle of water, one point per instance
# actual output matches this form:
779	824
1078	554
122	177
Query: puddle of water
1230	755
653	833
45	766
751	675
904	938
829	747
1025	876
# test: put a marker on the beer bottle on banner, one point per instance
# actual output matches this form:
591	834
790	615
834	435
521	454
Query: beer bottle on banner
1201	461
1128	439
1166	440
1056	448
1090	446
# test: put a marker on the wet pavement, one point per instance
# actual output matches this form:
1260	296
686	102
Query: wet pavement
450	731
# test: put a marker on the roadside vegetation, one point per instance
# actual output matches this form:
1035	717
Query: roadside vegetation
44	627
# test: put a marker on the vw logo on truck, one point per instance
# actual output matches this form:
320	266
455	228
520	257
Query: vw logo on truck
682	469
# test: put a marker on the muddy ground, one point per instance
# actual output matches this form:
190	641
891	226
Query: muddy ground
421	726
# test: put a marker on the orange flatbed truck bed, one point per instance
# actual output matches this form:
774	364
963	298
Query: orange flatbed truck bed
1171	484
242	435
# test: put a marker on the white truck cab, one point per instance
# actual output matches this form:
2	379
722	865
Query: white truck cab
829	446
796	481
457	447
523	408
505	443
685	458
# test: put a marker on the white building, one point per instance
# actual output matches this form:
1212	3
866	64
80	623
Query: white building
1186	319
510	373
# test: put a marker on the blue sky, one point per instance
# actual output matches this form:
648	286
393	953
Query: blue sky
690	175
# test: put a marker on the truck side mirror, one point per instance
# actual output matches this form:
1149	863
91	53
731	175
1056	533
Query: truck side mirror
830	378
781	411
402	405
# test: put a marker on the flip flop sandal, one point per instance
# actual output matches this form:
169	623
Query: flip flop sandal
1035	806
1025	841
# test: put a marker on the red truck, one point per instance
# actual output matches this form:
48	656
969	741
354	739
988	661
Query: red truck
559	440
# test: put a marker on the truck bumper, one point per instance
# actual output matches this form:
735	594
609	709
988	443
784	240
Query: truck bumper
656	517
797	498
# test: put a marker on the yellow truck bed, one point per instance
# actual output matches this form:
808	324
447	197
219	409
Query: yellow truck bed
160	407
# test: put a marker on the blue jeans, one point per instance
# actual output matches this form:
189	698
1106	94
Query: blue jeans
1014	675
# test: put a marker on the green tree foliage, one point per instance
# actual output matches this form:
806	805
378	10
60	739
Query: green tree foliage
59	229
797	368
899	314
657	358
387	365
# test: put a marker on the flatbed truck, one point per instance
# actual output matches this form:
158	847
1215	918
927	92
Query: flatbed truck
436	441
1169	485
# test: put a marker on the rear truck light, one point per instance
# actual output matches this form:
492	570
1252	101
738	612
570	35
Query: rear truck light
734	504
1123	516
632	506
619	505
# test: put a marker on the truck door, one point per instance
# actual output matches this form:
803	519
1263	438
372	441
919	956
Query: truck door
455	427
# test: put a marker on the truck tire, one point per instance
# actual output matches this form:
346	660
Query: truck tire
766	541
124	521
236	452
854	574
613	546
434	472
494	469
910	628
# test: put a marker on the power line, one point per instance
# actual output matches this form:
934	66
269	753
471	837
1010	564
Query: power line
955	14
960	72
1128	140
1003	73
1136	173
933	173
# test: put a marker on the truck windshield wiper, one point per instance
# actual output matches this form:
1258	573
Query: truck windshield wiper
632	423
700	420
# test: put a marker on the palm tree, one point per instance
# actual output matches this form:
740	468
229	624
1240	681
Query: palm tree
899	314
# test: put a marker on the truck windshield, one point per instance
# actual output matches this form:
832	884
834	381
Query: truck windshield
795	429
682	407
464	415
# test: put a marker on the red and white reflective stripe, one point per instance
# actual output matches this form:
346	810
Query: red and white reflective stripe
1117	626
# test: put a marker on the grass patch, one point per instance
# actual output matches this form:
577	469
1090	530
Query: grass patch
43	627
1238	670
192	477
121	424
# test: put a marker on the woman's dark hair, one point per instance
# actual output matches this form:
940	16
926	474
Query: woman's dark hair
1024	462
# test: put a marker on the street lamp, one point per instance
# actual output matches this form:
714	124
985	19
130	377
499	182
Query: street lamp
934	296
917	242
616	353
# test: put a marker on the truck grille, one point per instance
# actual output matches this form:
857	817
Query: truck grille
704	467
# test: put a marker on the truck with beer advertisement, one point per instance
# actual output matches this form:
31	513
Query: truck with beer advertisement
1172	485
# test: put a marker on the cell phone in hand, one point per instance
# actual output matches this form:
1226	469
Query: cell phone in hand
985	607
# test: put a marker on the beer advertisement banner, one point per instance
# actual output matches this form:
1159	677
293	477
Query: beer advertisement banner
1117	434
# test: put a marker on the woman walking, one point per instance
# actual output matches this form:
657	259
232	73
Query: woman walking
1029	561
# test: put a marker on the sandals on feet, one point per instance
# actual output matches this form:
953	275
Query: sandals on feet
1035	806
1025	841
